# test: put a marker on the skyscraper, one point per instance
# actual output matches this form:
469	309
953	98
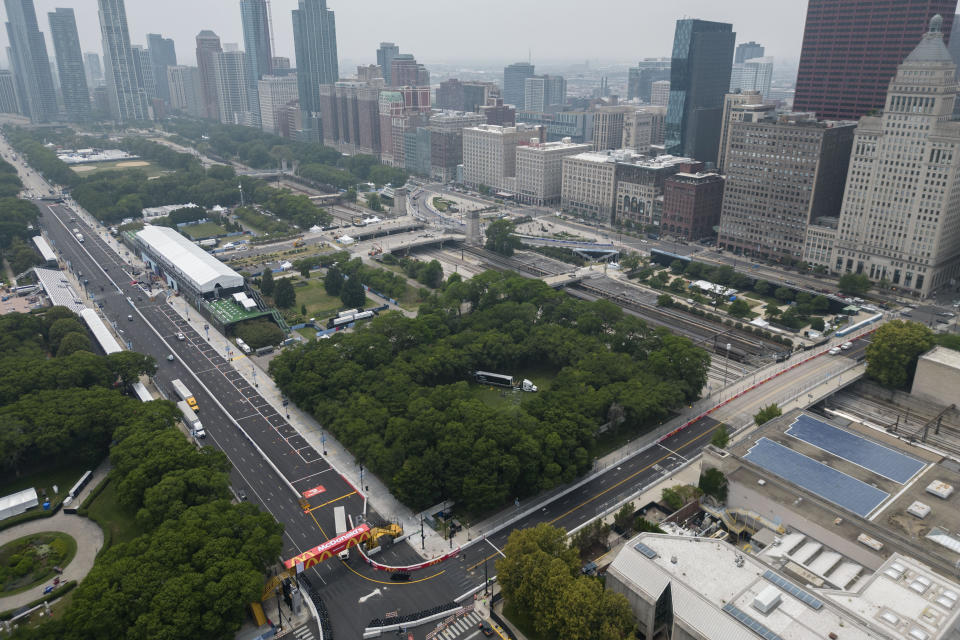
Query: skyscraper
233	102
544	93
163	54
91	64
405	71
256	42
143	68
315	44
514	83
186	93
8	94
641	77
31	66
73	80
208	46
748	51
274	93
127	100
752	75
699	78
852	49
385	55
900	220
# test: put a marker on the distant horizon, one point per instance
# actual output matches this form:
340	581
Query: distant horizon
432	30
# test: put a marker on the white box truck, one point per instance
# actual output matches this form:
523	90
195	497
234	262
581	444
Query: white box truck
191	420
185	394
340	521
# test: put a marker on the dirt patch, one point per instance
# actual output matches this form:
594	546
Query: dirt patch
84	168
133	163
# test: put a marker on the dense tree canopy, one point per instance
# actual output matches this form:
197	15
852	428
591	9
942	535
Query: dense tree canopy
894	350
399	392
539	575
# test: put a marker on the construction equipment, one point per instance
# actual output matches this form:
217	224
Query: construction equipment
299	242
388	529
375	250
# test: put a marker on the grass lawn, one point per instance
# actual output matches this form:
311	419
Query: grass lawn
118	165
118	525
309	333
42	568
203	230
63	477
319	305
501	397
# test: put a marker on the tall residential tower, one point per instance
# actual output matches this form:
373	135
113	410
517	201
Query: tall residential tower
125	96
256	41
315	43
73	80
31	66
208	46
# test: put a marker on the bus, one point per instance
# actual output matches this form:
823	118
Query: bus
340	521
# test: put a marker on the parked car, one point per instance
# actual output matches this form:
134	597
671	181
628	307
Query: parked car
834	351
846	345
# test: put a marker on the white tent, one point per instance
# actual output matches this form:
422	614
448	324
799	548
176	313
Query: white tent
17	503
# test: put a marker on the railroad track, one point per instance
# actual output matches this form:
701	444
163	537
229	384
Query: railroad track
908	425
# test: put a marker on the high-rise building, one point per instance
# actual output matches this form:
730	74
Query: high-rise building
255	19
752	75
401	109
852	49
900	220
544	94
8	93
127	99
648	71
369	73
660	93
143	68
783	172
446	141
163	54
233	103
315	43
490	154
405	71
643	128
73	79
540	170
208	46
454	95
608	126
385	55
691	205
351	116
186	90
93	69
732	111
748	51
274	92
514	83
30	63
699	78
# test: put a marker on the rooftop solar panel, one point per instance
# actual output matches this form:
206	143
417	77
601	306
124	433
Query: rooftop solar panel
884	461
751	623
645	550
794	590
828	483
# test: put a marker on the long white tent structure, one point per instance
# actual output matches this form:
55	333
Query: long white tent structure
184	262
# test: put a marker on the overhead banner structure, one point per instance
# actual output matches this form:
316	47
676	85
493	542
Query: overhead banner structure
328	549
412	567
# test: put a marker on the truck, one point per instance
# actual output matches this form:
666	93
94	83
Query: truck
340	521
185	394
503	380
79	237
191	420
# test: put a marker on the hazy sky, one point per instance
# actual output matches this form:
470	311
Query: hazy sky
450	31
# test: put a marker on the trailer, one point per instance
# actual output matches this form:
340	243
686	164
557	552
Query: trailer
185	394
503	380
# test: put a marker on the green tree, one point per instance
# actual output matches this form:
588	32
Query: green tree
783	294
854	284
721	437
128	366
677	267
623	518
73	342
678	285
739	308
259	333
664	300
350	195
266	282
817	324
894	350
284	294
374	202
352	293
767	414
714	483
333	281
500	237
762	287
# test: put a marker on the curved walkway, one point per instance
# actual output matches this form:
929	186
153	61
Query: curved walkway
89	539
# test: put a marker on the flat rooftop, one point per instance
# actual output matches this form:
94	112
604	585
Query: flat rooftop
821	475
944	356
721	592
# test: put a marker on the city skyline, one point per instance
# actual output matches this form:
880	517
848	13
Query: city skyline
619	42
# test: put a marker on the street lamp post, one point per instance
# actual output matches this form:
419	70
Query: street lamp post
726	365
